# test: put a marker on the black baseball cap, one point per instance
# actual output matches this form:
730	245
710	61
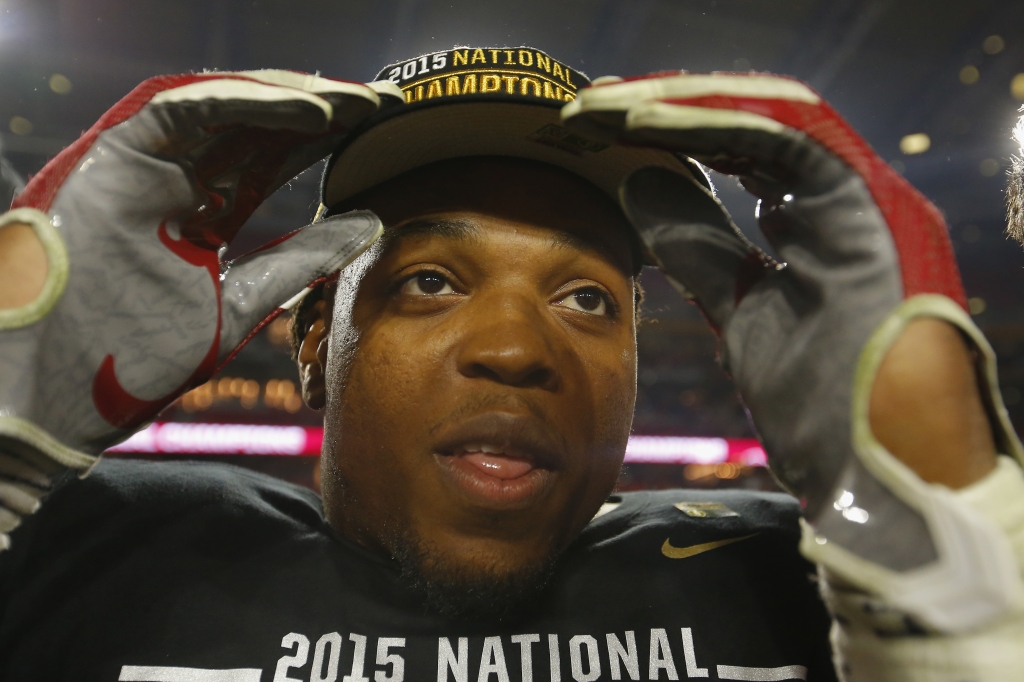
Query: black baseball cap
480	102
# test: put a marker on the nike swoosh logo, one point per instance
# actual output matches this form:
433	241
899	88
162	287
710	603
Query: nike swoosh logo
693	550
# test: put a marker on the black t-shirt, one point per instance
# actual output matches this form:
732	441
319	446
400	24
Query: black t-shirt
210	573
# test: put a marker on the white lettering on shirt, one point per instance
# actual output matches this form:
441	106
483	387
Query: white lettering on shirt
358	659
585	661
690	656
329	642
627	655
492	661
556	663
384	658
526	643
593	665
661	656
296	660
446	659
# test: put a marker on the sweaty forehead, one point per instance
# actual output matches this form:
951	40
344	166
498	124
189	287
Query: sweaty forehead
423	201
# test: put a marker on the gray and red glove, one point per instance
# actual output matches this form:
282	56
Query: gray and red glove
862	254
138	306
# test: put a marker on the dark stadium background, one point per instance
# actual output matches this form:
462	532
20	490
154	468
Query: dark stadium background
949	70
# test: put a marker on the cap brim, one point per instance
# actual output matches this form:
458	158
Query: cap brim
409	136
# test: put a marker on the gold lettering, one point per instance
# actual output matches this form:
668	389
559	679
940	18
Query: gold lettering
408	96
510	84
494	56
434	89
458	58
556	70
544	61
525	58
508	57
552	93
478	56
568	80
452	85
569	97
419	94
526	83
490	83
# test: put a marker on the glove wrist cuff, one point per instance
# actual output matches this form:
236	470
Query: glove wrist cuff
973	578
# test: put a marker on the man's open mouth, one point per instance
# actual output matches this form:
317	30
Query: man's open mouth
494	461
499	460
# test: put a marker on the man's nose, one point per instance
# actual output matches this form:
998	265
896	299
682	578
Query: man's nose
510	342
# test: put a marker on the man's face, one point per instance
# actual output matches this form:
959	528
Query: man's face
480	389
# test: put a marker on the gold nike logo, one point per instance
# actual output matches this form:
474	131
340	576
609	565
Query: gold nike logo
693	550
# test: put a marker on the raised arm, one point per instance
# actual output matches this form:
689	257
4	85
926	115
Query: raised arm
873	391
113	297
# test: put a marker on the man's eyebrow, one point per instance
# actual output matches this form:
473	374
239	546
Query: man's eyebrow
449	228
568	240
575	242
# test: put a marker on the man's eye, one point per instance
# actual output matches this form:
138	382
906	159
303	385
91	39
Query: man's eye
589	300
427	284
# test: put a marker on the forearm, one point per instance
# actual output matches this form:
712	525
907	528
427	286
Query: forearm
926	406
23	265
927	410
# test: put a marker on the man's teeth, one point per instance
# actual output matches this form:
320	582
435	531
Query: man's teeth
481	447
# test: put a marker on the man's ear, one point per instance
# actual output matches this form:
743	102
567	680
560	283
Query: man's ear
312	358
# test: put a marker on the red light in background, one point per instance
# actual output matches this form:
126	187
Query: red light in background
181	438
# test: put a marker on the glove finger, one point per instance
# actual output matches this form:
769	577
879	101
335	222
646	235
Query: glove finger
780	135
242	165
255	287
351	102
171	116
18	469
601	109
242	140
694	240
751	125
389	93
19	497
211	103
9	520
275	124
238	169
740	143
815	209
